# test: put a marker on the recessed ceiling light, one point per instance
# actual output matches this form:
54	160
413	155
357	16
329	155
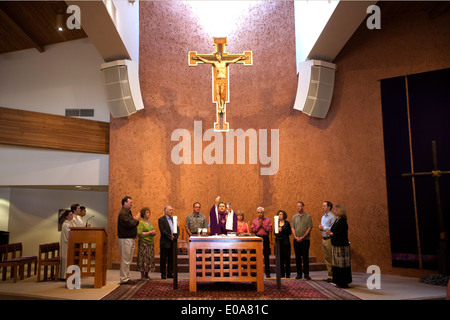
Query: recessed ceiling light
60	22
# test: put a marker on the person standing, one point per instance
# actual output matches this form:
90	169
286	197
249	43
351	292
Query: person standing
195	220
83	214
68	223
127	232
221	218
146	250
340	262
325	224
284	229
165	224
301	229
262	227
242	226
76	209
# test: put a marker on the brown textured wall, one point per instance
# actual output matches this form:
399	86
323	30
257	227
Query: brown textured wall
340	158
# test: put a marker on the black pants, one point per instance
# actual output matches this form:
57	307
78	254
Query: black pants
166	260
302	252
266	253
285	257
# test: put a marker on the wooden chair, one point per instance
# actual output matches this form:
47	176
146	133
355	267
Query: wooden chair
48	257
28	260
7	260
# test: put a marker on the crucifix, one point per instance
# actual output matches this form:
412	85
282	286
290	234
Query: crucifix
436	174
220	60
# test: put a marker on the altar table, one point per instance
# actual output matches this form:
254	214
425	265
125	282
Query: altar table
226	259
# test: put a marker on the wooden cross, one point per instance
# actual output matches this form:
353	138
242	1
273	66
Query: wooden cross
436	174
220	60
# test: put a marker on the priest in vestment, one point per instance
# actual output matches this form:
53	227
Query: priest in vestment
221	220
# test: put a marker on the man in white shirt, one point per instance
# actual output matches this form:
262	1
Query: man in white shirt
326	222
165	224
76	209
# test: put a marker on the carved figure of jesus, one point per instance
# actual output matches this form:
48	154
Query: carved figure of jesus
220	68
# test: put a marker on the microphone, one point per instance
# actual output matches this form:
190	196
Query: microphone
88	220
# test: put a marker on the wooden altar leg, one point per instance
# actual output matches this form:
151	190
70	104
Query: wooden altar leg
98	280
259	270
192	268
105	262
278	260
175	262
98	277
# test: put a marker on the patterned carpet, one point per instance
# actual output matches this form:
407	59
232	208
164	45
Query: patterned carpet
290	290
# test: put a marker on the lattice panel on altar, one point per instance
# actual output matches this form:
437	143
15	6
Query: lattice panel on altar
226	263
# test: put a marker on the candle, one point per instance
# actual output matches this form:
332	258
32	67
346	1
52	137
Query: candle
175	218
276	223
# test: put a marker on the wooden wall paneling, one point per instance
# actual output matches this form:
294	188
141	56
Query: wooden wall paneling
35	129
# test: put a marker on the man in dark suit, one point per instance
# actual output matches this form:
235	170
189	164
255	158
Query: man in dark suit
165	224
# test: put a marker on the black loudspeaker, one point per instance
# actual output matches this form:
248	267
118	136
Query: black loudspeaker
315	88
122	88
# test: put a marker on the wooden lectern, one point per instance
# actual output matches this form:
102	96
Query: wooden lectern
88	250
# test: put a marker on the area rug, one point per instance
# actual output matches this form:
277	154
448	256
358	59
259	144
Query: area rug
290	290
435	279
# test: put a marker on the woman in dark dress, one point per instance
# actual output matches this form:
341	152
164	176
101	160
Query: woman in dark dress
340	262
284	229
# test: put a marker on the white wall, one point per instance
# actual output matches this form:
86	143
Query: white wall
310	19
127	25
66	76
33	214
21	166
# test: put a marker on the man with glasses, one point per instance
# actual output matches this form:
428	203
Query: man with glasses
301	229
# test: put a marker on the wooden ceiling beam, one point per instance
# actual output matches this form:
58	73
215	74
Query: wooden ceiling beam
19	32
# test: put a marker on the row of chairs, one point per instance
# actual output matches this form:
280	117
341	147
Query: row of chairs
11	257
